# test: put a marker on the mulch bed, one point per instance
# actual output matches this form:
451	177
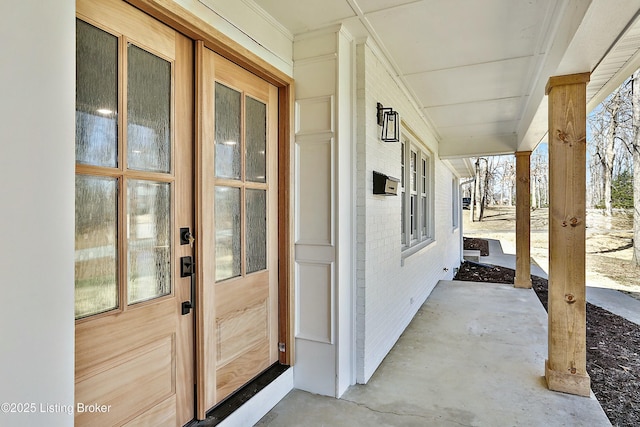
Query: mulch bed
613	348
481	245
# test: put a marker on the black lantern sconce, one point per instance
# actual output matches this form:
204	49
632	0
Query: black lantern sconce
388	119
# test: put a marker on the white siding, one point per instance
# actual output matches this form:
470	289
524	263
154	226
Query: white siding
389	289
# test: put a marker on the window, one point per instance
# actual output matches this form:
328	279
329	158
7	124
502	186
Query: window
455	203
416	195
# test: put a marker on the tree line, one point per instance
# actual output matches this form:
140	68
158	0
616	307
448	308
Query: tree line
612	144
613	164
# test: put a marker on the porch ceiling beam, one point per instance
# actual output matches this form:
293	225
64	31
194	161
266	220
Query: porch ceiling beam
565	368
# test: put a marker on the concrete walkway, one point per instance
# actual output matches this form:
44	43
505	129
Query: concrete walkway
611	300
472	356
498	257
616	302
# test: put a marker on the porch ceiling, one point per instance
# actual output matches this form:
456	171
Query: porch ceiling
477	69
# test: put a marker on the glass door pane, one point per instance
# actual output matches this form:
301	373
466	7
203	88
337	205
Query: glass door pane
148	111
96	266
96	96
227	232
149	241
256	223
256	140
228	132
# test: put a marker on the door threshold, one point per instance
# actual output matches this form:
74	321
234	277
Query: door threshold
233	404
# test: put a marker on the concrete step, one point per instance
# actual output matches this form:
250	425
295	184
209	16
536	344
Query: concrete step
471	255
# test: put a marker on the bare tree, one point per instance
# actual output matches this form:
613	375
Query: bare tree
508	178
475	196
539	180
596	146
611	108
611	133
481	184
605	126
615	129
486	189
492	176
635	149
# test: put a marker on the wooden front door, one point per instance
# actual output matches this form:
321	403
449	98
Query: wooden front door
237	217
134	359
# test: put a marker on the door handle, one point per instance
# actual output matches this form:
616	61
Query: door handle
186	237
187	269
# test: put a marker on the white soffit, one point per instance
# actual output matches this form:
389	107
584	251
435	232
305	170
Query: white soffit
477	69
593	47
300	16
444	34
462	167
475	113
471	83
621	61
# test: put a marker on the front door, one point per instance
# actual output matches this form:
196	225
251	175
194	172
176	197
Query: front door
134	148
237	220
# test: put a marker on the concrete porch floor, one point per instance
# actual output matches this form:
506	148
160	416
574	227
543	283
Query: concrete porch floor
472	356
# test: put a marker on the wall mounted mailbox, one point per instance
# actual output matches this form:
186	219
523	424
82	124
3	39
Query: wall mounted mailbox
385	185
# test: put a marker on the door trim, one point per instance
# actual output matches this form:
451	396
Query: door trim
180	19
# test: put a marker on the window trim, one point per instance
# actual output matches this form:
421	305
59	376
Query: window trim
416	193
455	203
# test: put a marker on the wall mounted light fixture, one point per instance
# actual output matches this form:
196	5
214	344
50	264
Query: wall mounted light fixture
388	119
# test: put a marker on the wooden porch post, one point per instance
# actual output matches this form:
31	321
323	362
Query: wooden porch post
523	220
565	368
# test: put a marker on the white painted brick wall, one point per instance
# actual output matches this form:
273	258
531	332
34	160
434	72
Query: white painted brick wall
388	292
